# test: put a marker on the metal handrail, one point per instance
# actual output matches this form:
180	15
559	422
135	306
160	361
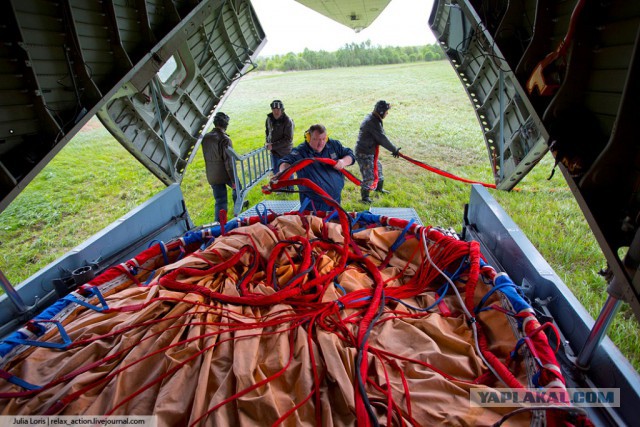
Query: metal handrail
248	170
12	294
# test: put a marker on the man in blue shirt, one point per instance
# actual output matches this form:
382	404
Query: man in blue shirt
330	179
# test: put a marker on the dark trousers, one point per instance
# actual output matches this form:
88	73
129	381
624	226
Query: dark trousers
365	161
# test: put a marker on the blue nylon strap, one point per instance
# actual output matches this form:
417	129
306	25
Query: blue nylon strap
334	214
367	218
66	341
355	220
96	292
337	285
305	202
370	218
431	307
162	248
262	214
513	293
400	239
18	381
151	275
191	237
486	296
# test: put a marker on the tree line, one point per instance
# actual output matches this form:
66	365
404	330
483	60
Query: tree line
350	55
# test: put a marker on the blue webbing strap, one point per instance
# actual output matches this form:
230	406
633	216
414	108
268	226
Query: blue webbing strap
400	238
162	248
66	341
18	381
263	215
303	206
151	276
334	214
442	293
366	217
337	285
96	292
486	296
191	237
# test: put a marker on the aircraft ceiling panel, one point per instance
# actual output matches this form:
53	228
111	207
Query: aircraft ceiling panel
153	71
355	14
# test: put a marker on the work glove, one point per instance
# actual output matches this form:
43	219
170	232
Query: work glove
396	153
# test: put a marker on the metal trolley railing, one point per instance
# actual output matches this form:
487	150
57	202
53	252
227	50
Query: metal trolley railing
248	169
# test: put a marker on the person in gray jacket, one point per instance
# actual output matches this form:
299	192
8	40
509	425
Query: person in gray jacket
218	163
278	129
370	137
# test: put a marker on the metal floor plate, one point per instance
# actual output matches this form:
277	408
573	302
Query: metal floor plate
277	206
283	206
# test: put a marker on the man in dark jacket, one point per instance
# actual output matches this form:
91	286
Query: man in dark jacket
370	137
218	163
330	179
278	133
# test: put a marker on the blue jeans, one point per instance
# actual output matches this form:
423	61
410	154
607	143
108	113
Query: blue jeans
220	197
275	159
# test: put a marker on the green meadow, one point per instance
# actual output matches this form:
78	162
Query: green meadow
94	181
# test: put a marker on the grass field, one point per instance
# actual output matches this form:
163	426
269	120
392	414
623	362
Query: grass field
97	181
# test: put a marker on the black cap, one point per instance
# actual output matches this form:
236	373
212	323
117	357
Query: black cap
221	119
382	107
277	104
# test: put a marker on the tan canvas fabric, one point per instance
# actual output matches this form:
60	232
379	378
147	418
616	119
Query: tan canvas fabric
170	358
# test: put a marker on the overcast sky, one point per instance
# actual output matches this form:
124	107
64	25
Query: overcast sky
292	27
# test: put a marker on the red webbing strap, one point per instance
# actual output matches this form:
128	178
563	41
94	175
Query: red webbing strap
362	342
538	343
223	221
376	172
61	403
442	306
124	270
194	356
540	349
316	377
300	164
444	173
426	365
405	385
254	386
391	404
295	408
275	253
170	281
474	273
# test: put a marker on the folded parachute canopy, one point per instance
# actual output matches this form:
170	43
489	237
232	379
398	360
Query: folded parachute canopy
292	319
